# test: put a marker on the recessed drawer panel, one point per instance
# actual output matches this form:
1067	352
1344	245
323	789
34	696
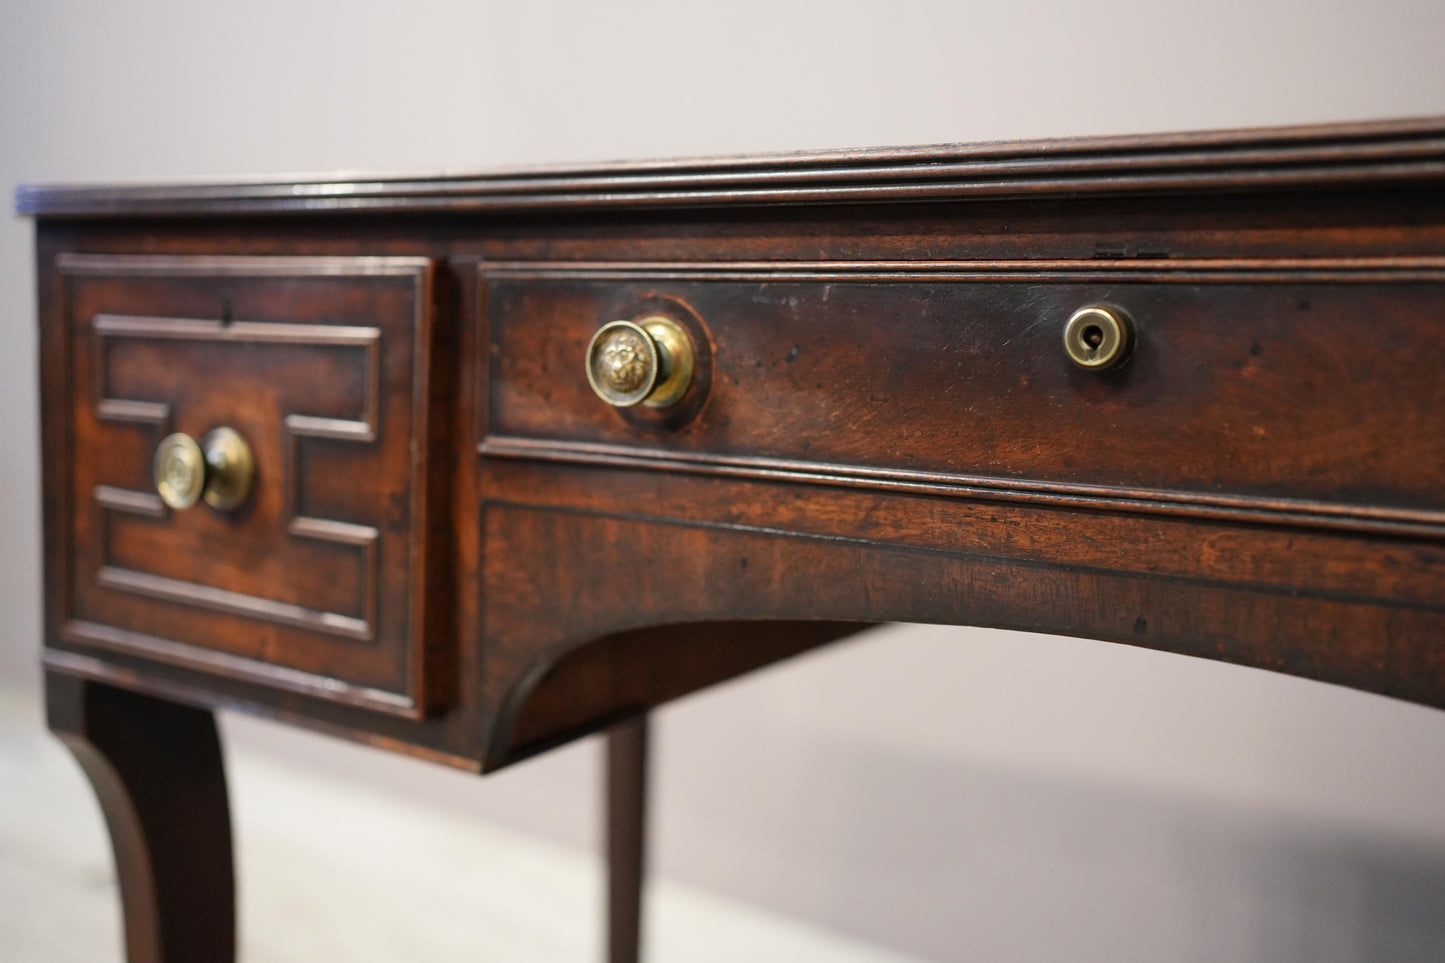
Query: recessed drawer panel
1316	387
311	376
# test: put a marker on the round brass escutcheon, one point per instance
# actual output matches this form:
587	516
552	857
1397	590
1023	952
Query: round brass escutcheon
218	468
1096	338
647	362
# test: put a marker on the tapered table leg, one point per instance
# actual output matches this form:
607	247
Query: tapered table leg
156	767
626	837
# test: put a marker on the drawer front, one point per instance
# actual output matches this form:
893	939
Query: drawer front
1249	387
314	581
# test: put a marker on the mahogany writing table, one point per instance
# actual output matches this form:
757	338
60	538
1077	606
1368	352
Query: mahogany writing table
469	466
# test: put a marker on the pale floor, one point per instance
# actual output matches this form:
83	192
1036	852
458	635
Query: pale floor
330	869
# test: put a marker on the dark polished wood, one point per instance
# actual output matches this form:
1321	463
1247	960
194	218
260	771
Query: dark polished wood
331	549
455	550
627	768
1282	158
156	769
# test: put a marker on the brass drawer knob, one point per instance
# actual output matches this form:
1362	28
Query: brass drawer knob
218	468
646	362
1097	338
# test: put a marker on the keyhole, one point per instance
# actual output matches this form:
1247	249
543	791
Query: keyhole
1096	338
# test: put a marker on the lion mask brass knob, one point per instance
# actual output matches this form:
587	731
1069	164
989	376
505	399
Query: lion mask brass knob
218	468
647	362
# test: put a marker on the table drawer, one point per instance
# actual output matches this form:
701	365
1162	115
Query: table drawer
1316	387
313	580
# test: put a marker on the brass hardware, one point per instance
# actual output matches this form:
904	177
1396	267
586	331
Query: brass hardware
218	468
229	469
645	362
1096	338
180	470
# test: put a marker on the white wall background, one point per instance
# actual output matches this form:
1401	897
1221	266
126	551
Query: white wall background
1010	797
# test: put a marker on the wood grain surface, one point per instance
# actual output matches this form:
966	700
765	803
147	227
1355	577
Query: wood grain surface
885	425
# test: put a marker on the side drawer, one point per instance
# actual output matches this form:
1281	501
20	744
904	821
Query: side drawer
315	581
1250	387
